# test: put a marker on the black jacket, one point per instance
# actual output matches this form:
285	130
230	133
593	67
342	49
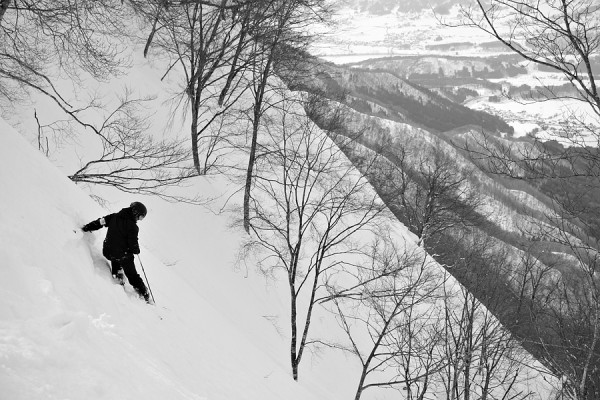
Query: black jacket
122	235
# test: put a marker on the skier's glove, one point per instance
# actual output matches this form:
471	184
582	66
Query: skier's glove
93	226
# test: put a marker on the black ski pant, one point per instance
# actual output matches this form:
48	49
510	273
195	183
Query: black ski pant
128	266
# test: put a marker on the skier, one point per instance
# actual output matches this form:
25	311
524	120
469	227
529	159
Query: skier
121	244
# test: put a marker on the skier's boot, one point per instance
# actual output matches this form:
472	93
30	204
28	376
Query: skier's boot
145	294
147	298
119	277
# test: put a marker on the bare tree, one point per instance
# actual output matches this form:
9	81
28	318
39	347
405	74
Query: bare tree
209	42
390	321
560	36
442	199
130	160
417	329
427	190
41	39
278	43
483	357
567	321
44	41
533	280
308	207
225	49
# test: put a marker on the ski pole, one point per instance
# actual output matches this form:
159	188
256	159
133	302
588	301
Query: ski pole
148	283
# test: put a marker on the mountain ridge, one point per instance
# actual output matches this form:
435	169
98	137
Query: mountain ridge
519	220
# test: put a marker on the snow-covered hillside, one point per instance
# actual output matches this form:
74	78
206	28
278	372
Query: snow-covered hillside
68	332
218	330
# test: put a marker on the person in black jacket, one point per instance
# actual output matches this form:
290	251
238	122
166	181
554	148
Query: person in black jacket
121	243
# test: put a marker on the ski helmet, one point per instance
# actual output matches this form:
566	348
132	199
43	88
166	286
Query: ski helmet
138	209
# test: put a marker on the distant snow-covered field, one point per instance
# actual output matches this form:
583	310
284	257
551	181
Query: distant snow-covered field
545	119
360	36
363	36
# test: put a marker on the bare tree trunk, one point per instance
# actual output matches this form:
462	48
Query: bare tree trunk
234	64
588	361
258	103
194	137
381	335
293	343
154	24
194	94
307	321
361	382
310	204
486	387
250	171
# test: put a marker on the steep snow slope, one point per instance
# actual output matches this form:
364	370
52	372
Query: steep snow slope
68	332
